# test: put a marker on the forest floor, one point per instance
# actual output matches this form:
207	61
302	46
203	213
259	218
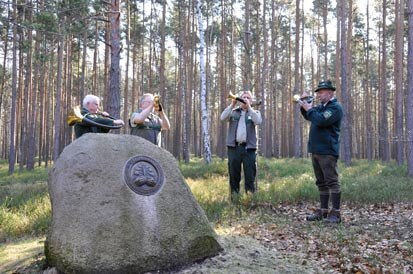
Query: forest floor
372	239
375	238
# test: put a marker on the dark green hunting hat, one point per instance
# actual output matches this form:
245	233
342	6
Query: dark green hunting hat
325	85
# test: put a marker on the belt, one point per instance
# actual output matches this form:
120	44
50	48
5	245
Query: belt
241	144
149	127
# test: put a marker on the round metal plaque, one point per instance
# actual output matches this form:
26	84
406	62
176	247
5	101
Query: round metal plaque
143	175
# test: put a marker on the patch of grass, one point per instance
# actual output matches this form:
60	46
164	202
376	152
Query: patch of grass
25	208
212	194
29	218
14	195
292	180
196	168
280	168
22	255
376	182
38	174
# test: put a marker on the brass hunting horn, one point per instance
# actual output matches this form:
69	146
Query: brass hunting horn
233	97
308	99
75	116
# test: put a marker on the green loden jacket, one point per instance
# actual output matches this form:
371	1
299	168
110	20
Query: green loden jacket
83	127
325	128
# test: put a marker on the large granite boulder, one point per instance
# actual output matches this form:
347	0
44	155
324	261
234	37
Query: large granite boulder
121	205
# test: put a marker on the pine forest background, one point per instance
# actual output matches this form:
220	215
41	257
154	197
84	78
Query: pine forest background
194	53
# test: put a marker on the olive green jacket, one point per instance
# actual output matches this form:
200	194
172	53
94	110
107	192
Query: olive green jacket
85	127
324	137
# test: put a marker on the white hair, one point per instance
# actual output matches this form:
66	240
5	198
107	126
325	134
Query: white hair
150	96
90	99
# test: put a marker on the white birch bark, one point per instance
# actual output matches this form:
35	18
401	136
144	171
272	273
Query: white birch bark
204	109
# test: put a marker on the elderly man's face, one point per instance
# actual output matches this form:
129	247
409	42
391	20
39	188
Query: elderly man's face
246	97
93	106
147	101
324	95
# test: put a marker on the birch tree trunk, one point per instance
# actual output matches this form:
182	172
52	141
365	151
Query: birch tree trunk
204	108
297	142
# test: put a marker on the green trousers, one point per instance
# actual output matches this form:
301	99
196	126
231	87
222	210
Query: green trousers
325	170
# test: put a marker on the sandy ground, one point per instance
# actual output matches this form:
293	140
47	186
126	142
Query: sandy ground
246	255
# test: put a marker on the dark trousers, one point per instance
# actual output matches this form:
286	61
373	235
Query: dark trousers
325	170
247	157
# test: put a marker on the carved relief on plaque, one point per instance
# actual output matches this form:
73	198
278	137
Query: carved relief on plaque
143	175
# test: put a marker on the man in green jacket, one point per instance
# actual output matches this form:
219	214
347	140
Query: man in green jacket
323	144
96	121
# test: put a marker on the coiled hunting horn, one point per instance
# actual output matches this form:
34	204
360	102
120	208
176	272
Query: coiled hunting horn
75	116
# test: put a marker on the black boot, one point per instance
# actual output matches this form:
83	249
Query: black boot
336	200
334	217
318	215
321	213
235	197
324	199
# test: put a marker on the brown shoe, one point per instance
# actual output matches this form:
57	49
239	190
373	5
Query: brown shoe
334	217
318	215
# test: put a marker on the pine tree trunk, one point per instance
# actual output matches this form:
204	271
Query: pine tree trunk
369	126
126	87
398	74
384	127
409	95
57	112
33	109
113	99
346	142
12	149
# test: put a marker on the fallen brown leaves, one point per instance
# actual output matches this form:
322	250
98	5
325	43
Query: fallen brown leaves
372	238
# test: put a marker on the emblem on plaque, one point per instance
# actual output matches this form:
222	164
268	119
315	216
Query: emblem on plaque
143	175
